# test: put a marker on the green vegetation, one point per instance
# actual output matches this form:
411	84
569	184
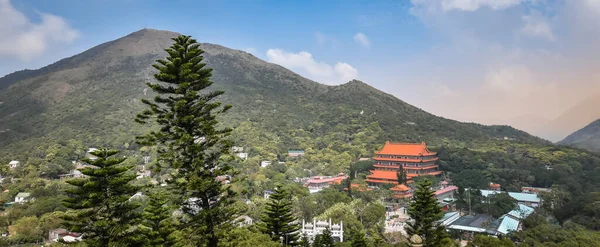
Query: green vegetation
189	141
104	212
278	219
587	138
426	213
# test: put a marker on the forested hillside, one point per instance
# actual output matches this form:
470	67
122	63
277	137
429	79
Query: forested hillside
587	138
92	97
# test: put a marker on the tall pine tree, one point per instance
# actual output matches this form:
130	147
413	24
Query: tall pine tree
401	175
425	213
158	225
325	239
104	213
189	141
358	239
278	220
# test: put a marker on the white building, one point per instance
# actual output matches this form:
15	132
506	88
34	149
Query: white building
317	227
22	197
265	163
237	149
56	235
14	164
143	174
242	155
268	193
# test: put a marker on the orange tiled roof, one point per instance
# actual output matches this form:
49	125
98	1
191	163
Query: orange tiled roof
405	160
400	187
401	196
383	174
414	149
406	167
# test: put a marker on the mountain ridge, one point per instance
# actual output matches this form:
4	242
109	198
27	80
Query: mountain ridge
96	93
587	137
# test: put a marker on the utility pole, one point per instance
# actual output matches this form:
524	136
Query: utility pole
469	196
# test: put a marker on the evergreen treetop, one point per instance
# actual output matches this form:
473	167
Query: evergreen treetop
278	220
425	213
189	142
104	213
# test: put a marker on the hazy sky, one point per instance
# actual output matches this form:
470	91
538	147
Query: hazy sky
518	62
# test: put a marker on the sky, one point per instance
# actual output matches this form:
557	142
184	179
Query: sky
517	62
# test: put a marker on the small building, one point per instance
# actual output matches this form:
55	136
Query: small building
528	199
318	183
445	193
511	221
243	156
472	223
265	163
143	174
317	227
494	187
73	174
14	164
22	197
58	234
268	193
449	218
295	152
535	190
401	191
237	149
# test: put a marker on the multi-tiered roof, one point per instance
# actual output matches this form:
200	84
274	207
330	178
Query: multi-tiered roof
415	158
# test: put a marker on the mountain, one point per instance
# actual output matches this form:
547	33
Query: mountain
587	138
575	118
94	96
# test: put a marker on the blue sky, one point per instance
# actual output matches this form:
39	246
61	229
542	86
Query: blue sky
489	61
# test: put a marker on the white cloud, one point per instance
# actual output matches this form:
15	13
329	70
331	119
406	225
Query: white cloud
362	39
304	64
465	5
537	26
21	38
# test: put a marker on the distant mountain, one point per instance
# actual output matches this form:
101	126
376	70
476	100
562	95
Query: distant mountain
575	118
587	138
94	96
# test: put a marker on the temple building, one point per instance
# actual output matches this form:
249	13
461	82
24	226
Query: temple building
415	158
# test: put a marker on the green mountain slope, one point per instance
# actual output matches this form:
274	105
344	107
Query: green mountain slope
587	138
94	96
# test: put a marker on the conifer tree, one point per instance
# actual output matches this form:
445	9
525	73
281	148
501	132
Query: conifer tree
103	213
278	220
189	142
324	239
425	213
358	239
158	225
401	175
304	242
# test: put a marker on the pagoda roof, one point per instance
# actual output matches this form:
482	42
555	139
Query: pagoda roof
413	149
390	175
400	187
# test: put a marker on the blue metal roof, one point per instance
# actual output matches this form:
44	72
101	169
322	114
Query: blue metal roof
508	224
522	212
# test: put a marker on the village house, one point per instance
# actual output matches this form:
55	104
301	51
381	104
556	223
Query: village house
58	234
243	156
23	197
295	152
143	174
317	227
14	164
318	183
268	193
265	163
528	199
535	190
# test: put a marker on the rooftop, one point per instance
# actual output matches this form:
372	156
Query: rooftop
522	197
522	212
23	194
446	190
413	149
400	187
508	224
